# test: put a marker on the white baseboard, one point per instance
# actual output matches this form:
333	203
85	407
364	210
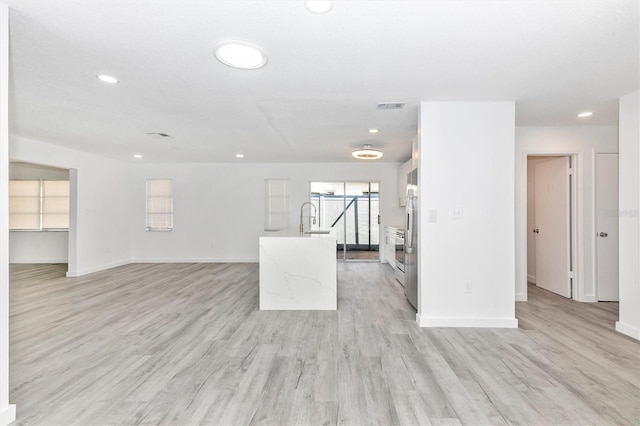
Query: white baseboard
39	260
521	297
531	279
191	260
99	268
628	330
7	415
467	322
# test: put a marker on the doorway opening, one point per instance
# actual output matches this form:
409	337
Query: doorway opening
42	217
352	210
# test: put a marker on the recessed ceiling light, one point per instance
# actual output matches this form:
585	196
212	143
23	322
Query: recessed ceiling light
107	79
367	153
137	155
585	114
240	54
318	6
239	155
373	131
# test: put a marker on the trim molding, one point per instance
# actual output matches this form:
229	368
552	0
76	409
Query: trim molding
467	322
628	330
521	297
8	415
200	260
80	272
40	260
531	279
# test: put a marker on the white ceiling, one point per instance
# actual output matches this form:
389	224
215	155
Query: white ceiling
316	98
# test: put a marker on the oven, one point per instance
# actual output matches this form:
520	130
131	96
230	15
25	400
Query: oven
399	244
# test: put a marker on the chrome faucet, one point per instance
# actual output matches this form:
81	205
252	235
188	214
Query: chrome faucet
315	212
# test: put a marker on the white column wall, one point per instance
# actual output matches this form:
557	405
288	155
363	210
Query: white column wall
7	411
99	217
465	158
584	142
629	218
219	207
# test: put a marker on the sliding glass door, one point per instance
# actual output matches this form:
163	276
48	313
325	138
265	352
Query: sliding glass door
351	209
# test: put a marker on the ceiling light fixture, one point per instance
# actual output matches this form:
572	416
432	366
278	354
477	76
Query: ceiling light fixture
318	6
367	153
137	155
374	131
107	79
239	155
585	114
240	54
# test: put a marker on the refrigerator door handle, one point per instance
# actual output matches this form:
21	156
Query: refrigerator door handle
409	236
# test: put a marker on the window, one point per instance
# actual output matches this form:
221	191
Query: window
159	205
277	207
38	205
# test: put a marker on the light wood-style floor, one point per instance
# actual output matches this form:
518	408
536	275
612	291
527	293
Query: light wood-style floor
184	344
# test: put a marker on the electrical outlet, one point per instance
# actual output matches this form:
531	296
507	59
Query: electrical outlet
456	213
433	216
468	288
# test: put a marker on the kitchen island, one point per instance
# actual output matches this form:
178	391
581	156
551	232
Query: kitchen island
298	271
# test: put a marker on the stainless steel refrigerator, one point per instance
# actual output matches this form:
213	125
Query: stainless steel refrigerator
411	240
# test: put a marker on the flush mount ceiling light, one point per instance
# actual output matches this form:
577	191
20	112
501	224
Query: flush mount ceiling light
239	155
374	131
318	6
367	153
137	155
240	54
585	114
107	79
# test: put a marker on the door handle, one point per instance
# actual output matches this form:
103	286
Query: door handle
537	231
604	234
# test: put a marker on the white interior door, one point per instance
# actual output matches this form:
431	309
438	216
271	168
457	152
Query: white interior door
553	226
607	226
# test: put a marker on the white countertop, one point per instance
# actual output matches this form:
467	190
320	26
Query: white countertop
298	271
295	233
396	227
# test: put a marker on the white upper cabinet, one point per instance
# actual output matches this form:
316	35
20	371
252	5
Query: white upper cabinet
403	171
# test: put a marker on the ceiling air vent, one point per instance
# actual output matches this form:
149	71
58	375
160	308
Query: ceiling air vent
159	135
390	105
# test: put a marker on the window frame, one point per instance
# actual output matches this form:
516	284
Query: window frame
42	198
170	212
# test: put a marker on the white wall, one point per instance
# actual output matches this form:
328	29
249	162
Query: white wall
629	206
584	142
466	162
99	214
37	247
219	208
7	411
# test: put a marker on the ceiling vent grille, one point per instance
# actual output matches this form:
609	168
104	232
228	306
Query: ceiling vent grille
159	135
390	105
